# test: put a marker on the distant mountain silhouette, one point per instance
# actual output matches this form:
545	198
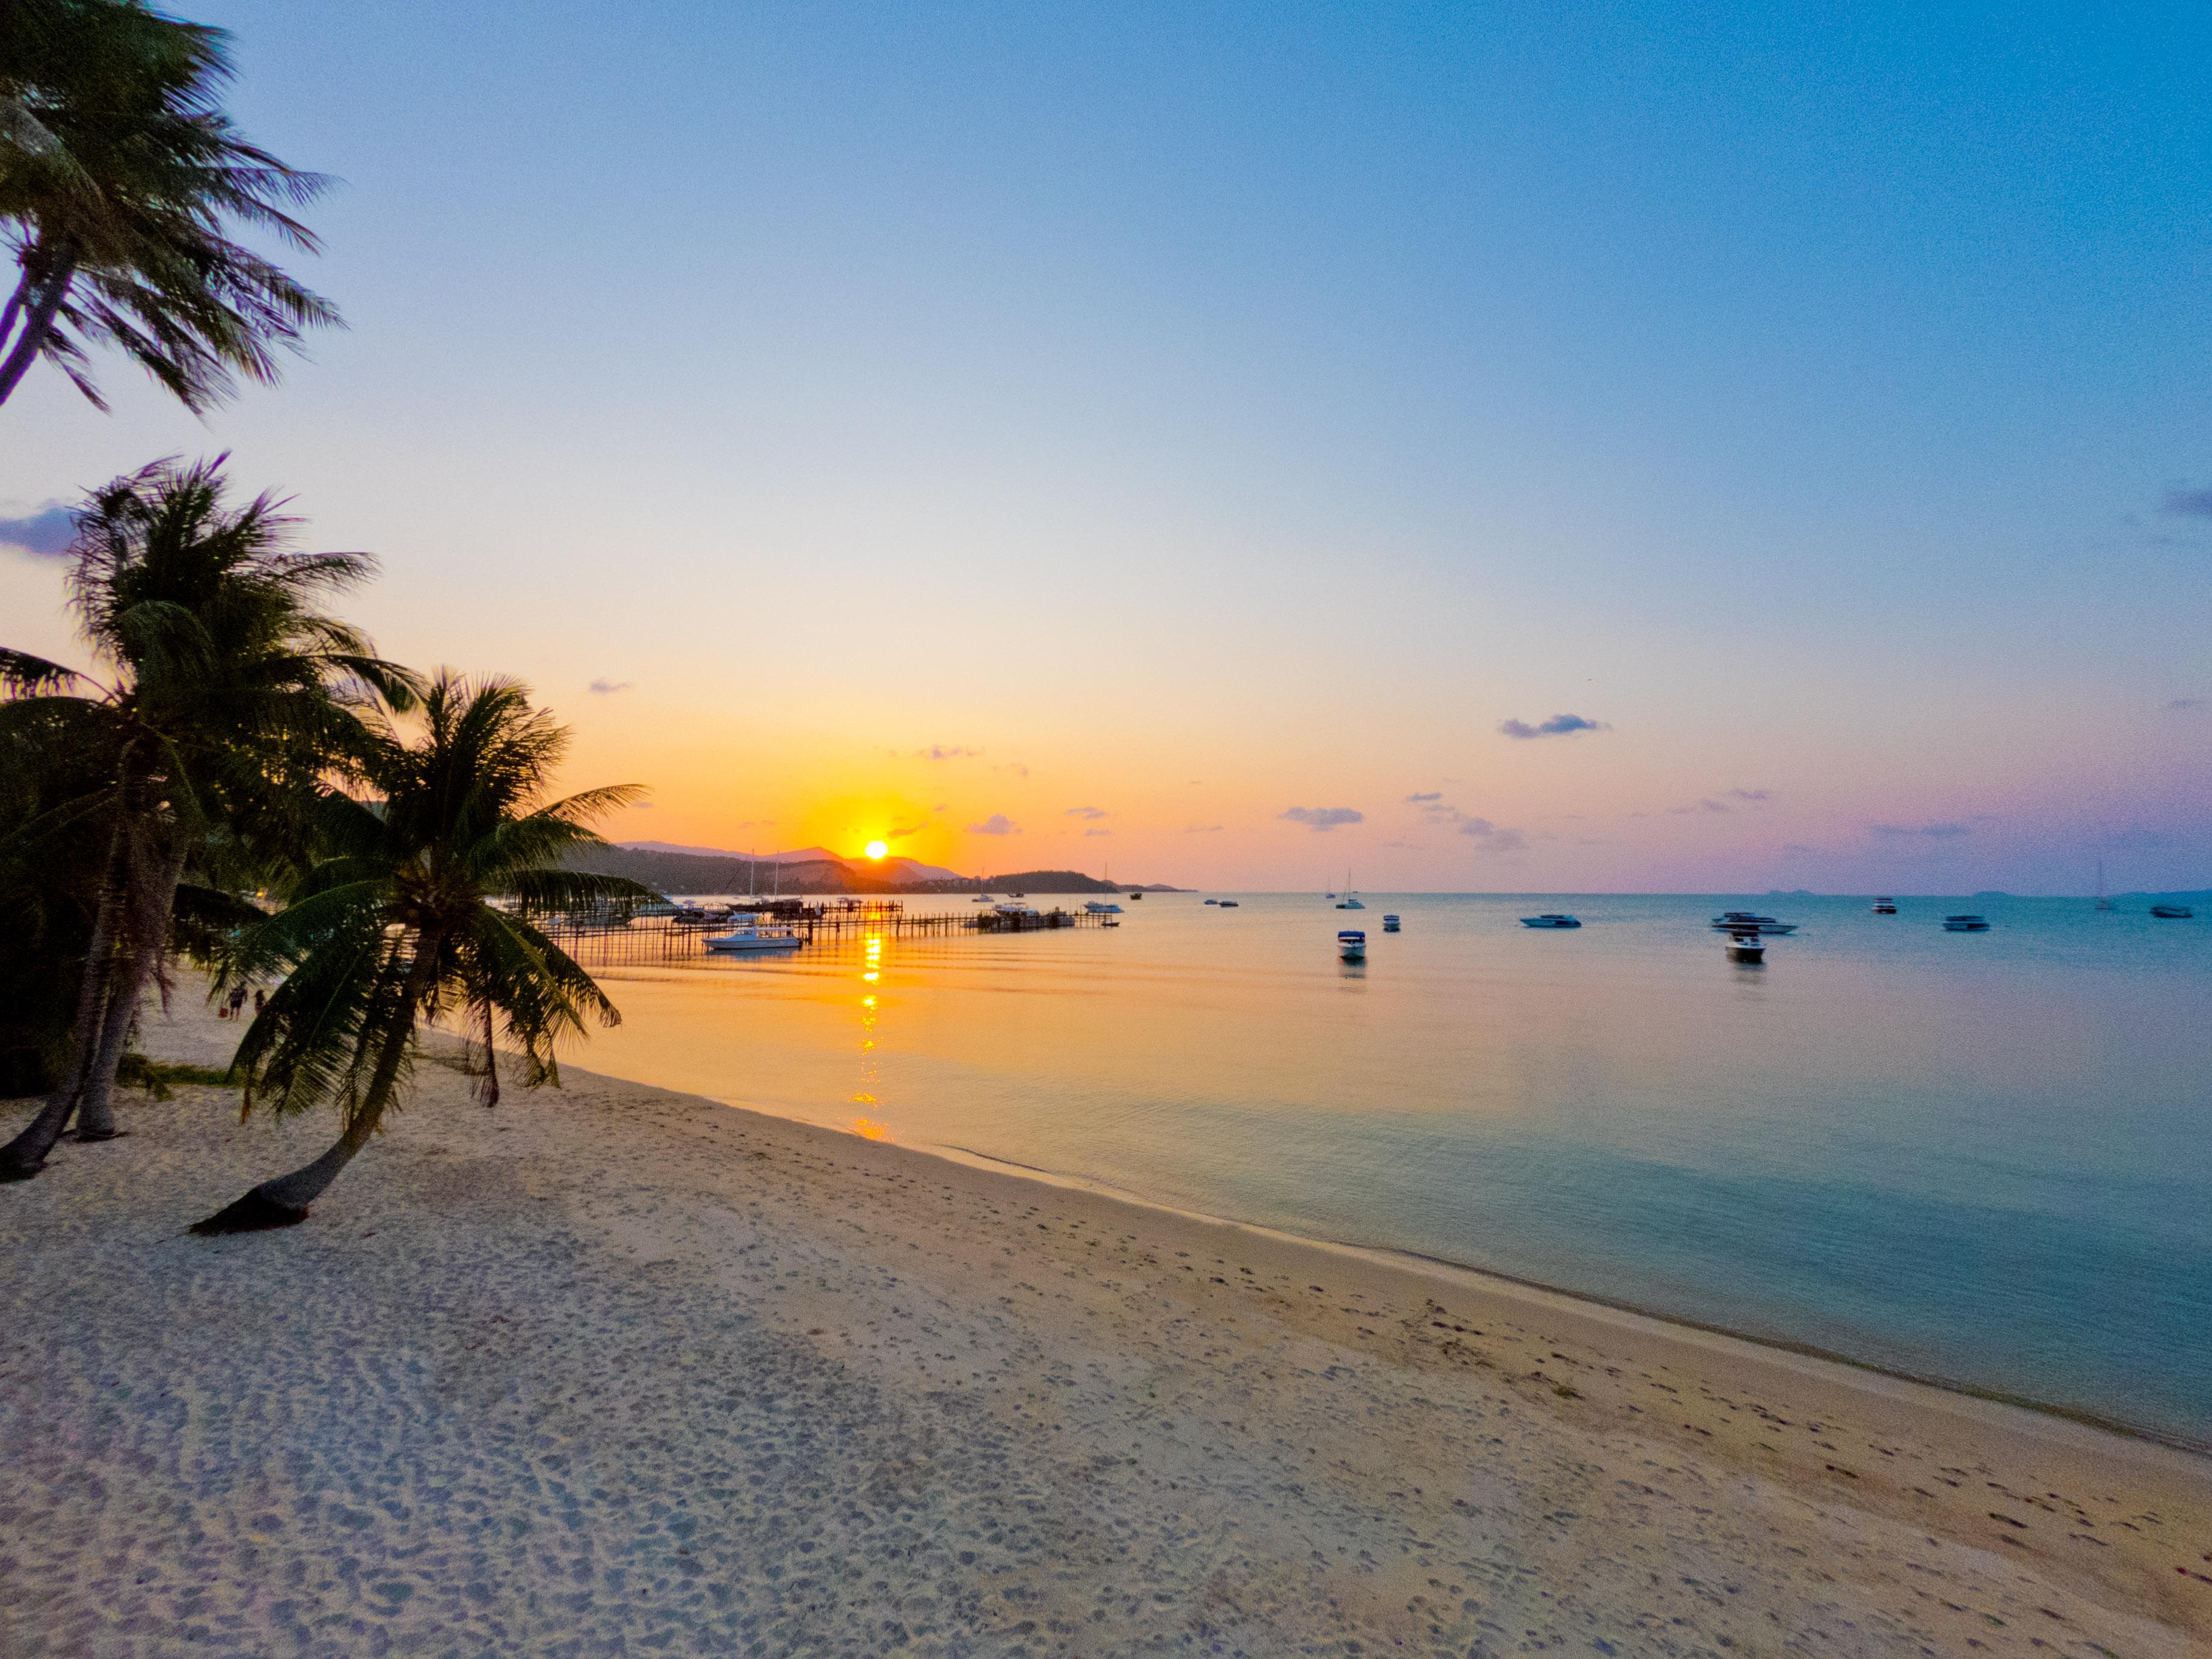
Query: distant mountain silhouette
899	869
666	869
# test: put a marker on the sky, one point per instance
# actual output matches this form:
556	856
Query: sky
1505	448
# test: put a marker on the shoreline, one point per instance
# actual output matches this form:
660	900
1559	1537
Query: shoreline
639	1366
1587	1304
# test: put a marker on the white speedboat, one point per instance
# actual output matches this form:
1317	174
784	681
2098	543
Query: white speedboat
1746	949
1745	922
1351	945
1965	925
1389	924
749	940
1885	906
1550	918
1100	907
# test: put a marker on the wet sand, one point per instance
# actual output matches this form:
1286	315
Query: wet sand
611	1369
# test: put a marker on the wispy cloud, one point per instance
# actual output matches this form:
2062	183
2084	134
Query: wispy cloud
1086	812
1708	805
2182	503
1202	828
1088	833
2186	702
1493	837
938	751
608	688
1751	795
1927	831
997	825
1015	767
1559	725
1323	817
45	533
1433	794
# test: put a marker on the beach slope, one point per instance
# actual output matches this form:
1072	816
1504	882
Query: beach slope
608	1368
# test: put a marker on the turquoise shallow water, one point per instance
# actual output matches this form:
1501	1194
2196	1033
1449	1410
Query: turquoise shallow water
1981	1157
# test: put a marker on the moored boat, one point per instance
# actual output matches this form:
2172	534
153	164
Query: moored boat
1100	907
1965	925
2173	912
1747	921
1389	924
1550	918
1746	949
747	940
1885	906
1229	904
1351	945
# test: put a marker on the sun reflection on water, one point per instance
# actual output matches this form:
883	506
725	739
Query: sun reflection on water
870	1065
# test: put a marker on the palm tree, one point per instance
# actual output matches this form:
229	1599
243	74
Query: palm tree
399	926
121	183
232	699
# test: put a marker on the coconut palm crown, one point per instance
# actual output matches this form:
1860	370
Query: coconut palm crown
122	184
421	913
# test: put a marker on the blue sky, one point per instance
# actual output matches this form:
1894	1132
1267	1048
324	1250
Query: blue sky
1230	410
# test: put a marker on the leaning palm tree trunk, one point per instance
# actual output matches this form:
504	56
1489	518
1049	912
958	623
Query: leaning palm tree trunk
39	323
153	897
284	1201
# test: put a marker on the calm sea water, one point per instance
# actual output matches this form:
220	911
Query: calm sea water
1981	1157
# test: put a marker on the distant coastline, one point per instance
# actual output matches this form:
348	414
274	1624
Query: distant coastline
695	872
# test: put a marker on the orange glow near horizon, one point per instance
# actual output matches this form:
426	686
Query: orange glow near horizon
875	849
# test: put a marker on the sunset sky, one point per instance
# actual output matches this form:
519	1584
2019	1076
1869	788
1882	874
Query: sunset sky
1046	436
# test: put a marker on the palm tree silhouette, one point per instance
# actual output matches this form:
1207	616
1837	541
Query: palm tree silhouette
121	181
398	927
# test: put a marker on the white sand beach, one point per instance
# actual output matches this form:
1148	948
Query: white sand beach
610	1370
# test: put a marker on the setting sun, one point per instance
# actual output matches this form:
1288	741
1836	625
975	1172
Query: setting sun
875	849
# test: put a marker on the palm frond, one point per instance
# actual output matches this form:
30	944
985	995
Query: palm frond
25	675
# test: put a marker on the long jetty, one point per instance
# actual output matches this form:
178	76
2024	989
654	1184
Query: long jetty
611	937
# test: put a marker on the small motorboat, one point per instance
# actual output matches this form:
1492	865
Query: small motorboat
1136	895
1351	945
751	939
1746	949
1965	925
1229	904
1745	922
1885	906
1550	918
1214	901
1100	907
2173	912
1389	924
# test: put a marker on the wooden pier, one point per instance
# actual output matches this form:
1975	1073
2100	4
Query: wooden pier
611	939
